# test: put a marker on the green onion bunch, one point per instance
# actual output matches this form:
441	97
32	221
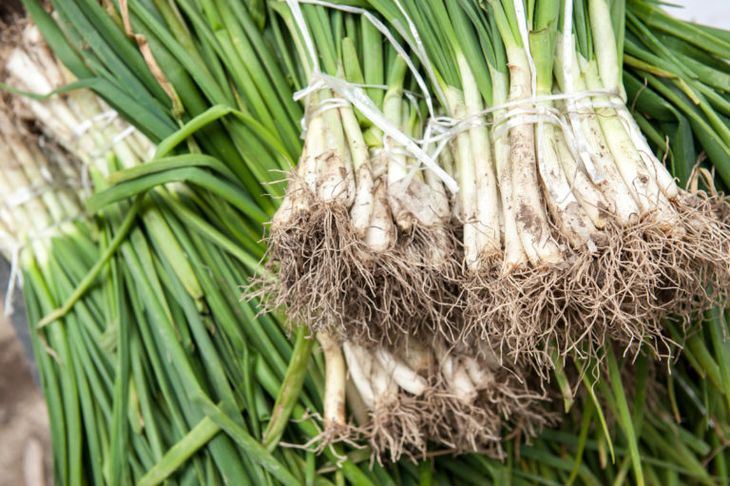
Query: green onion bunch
449	409
156	366
359	245
384	236
50	242
591	238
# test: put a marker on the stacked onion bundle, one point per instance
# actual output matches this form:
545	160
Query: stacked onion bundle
574	233
365	254
560	232
40	194
409	399
423	396
609	244
361	244
413	394
571	232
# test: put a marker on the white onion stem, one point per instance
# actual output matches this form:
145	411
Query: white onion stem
335	379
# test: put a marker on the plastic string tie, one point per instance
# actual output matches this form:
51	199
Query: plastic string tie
356	95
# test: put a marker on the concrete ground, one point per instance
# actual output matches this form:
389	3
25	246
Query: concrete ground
25	457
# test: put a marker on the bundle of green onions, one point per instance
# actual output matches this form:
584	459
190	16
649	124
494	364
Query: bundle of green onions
594	240
360	245
472	191
363	249
49	241
588	252
153	347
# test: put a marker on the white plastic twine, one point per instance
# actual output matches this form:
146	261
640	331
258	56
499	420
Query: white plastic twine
105	118
15	246
441	130
356	95
333	103
383	29
15	278
119	137
24	195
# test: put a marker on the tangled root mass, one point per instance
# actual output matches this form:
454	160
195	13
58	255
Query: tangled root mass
442	420
328	277
638	275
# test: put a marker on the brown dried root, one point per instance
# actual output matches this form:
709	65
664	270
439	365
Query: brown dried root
576	306
704	248
329	435
472	403
396	429
312	255
480	399
329	278
333	434
409	290
648	274
423	398
479	300
637	276
519	311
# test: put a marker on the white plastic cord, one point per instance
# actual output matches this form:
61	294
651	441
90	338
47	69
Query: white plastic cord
14	246
104	118
119	137
15	278
359	99
443	129
383	29
26	194
335	103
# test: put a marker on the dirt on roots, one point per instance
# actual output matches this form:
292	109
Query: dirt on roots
636	277
327	277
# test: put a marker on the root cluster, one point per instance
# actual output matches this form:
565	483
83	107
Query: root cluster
636	276
424	397
329	277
